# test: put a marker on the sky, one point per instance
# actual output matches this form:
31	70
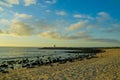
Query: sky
64	23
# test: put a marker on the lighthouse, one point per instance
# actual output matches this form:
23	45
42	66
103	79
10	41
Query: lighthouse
54	46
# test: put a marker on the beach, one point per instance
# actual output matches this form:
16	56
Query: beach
104	66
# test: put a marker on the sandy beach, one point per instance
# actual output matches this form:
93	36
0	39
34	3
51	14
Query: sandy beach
105	66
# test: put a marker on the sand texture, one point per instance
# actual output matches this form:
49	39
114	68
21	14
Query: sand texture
106	66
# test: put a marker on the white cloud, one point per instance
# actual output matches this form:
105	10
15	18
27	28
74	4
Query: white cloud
20	29
77	25
10	3
59	36
13	1
29	2
101	22
47	11
51	34
1	9
50	1
82	16
61	13
41	27
4	21
5	4
78	35
103	16
77	16
103	40
23	16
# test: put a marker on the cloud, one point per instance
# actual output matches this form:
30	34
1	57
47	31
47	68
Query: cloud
27	25
10	3
43	25
103	16
23	16
19	25
58	35
13	2
50	1
80	35
1	9
4	21
20	29
82	16
48	11
77	25
111	29
5	4
29	2
50	34
105	23
61	13
104	40
101	22
77	16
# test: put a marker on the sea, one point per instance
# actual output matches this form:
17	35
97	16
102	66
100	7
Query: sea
7	53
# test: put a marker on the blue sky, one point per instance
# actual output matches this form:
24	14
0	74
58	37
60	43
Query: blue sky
75	23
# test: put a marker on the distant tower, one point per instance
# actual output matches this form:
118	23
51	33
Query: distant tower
54	46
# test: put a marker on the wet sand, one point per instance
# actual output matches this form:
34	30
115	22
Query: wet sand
106	66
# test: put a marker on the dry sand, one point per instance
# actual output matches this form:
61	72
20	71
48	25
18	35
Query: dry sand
105	67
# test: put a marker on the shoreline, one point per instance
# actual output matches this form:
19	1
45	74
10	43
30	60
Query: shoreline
33	61
106	66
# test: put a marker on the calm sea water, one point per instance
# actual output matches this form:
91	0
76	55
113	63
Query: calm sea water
10	52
